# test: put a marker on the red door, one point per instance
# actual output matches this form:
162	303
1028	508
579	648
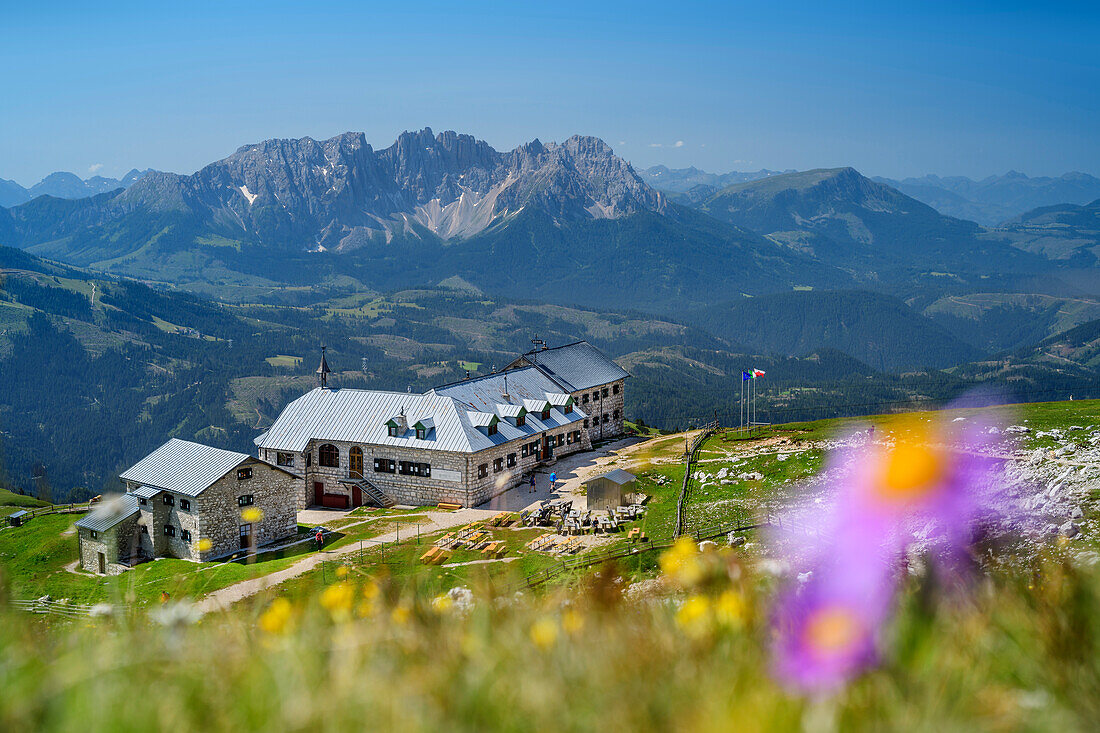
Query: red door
318	493
356	496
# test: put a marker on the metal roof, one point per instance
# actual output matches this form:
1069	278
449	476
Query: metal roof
618	476
109	513
19	513
183	467
577	366
145	492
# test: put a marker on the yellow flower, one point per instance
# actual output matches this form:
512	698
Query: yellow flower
276	618
572	621
729	609
342	572
337	599
442	603
205	544
544	632
681	562
400	615
252	514
371	590
694	616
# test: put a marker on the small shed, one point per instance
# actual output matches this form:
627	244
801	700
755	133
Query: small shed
607	491
19	518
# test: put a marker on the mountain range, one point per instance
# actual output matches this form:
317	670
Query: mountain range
682	180
65	185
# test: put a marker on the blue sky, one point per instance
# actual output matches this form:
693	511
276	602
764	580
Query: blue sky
950	88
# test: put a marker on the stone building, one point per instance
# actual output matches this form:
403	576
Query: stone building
462	443
190	501
587	374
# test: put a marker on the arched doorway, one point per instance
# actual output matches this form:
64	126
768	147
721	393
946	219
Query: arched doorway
355	462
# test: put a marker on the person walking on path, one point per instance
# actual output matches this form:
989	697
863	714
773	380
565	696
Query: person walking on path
553	480
320	537
532	482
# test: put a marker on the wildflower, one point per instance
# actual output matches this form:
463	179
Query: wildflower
694	616
337	600
371	590
205	544
544	632
729	609
401	615
442	603
824	637
252	514
681	563
572	621
276	619
342	572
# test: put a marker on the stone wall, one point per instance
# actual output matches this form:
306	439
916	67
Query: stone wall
297	466
115	543
220	517
593	402
468	489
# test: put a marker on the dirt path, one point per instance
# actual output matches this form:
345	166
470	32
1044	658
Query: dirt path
225	597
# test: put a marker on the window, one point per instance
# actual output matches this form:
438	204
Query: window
491	429
169	500
185	505
420	433
615	414
525	451
412	468
246	500
569	438
521	420
483	470
142	500
614	389
328	456
595	396
95	535
392	431
309	460
144	529
169	530
546	414
498	465
586	422
604	394
511	460
534	448
568	407
561	439
284	459
384	465
584	398
185	535
576	436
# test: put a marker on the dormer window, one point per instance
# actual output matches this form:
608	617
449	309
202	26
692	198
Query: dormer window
491	428
521	420
568	407
421	433
392	429
545	413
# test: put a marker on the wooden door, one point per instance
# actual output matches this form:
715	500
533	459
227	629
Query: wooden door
102	564
246	536
355	463
356	496
318	493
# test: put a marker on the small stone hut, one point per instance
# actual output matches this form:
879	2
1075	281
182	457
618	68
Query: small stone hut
607	491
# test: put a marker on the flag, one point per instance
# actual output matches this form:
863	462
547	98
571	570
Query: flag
745	376
757	373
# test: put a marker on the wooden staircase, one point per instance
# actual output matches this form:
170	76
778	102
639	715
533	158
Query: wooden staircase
371	493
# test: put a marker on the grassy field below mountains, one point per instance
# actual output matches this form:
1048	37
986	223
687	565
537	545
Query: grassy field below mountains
637	646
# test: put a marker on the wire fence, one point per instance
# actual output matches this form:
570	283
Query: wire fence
64	608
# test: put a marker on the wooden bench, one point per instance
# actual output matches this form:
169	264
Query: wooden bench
448	505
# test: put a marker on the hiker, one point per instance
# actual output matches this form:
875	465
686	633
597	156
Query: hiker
164	597
553	480
532	483
320	537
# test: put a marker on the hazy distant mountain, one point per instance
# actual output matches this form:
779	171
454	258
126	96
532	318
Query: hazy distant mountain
567	222
65	186
1064	232
843	218
681	180
996	199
